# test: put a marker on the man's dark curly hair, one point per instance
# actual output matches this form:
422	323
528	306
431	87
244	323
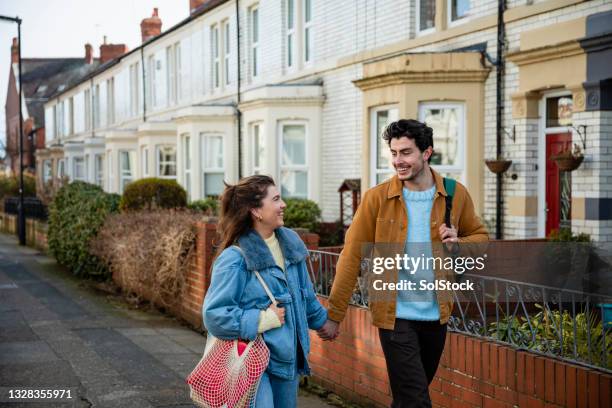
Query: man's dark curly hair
412	129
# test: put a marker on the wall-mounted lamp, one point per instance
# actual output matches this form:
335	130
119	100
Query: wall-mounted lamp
511	135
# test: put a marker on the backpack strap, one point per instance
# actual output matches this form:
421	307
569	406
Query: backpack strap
449	186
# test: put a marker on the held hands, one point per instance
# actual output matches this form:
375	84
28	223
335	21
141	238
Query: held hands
329	331
449	236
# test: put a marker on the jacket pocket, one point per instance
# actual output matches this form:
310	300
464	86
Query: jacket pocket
386	230
281	341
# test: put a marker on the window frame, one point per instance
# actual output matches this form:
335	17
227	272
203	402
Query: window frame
227	51
151	68
110	101
87	102
449	15
210	170
47	171
215	56
254	34
99	169
295	167
257	169
134	89
170	75
187	162
96	106
374	138
61	169
78	160
460	166
290	34
122	176
144	161
307	31
158	161
417	19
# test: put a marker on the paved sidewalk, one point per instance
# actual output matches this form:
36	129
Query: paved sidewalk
56	333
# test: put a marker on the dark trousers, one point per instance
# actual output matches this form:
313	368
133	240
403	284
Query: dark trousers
412	351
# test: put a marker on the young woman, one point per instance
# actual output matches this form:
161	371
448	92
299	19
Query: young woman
236	304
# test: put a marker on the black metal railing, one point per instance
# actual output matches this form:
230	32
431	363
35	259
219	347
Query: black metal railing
32	206
556	322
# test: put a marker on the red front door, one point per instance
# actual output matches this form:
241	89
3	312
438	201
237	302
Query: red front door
558	192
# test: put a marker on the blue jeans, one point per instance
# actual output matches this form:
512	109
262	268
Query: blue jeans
275	392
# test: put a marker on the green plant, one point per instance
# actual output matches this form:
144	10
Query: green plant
151	193
330	233
75	216
566	235
209	206
558	332
301	213
9	186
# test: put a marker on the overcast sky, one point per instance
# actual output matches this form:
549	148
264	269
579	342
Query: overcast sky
60	28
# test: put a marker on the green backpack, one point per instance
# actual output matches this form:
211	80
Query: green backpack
449	186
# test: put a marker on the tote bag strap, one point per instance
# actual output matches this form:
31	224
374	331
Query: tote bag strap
260	279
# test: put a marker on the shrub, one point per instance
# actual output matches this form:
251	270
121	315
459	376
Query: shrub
301	213
75	215
209	206
566	235
330	233
151	193
149	268
559	332
9	186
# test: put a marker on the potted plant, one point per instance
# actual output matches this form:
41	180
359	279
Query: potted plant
569	160
499	165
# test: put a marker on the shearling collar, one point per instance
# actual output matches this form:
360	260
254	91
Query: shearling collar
258	256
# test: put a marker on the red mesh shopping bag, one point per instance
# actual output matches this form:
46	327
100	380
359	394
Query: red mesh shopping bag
226	377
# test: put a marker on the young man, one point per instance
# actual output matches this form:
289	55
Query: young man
409	209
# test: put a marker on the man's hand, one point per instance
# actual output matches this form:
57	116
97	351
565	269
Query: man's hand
448	236
329	331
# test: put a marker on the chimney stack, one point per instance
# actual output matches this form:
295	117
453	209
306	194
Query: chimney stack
194	4
111	51
15	51
89	54
151	27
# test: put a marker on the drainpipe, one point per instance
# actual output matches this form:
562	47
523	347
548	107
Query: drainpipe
144	85
238	113
93	108
501	40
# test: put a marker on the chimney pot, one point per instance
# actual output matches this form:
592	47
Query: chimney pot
88	54
151	27
194	4
15	51
111	51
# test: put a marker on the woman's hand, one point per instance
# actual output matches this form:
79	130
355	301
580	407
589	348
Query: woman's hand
279	311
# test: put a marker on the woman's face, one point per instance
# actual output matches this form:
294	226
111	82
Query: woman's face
272	209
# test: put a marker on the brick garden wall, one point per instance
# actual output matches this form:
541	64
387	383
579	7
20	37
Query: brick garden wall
36	231
472	372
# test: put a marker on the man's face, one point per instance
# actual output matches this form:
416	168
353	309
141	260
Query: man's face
407	159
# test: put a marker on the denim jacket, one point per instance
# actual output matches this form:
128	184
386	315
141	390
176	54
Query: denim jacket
235	298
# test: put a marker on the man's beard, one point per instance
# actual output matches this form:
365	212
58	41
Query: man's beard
416	172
